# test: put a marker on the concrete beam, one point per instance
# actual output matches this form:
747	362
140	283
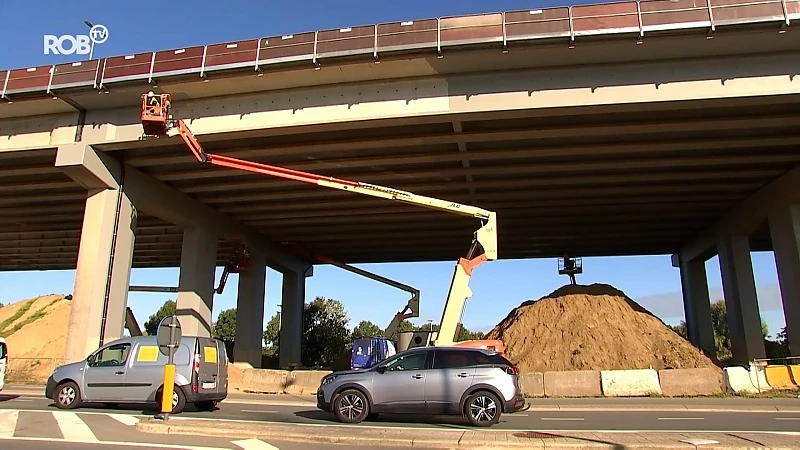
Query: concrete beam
292	308
741	299
95	169
784	225
87	167
105	253
250	312
746	217
697	305
196	282
462	96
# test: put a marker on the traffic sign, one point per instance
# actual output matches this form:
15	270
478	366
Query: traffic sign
168	334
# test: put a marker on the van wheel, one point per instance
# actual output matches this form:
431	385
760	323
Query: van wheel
351	406
482	409
178	399
68	396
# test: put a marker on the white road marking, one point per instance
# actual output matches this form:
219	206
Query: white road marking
8	423
680	418
562	418
117	443
254	444
73	428
19	400
126	419
258	411
787	418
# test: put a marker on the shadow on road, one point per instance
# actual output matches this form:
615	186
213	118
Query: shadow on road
137	407
5	398
443	421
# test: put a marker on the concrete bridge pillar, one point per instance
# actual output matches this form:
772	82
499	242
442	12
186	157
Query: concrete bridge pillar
292	307
196	282
102	276
697	306
741	301
250	311
784	225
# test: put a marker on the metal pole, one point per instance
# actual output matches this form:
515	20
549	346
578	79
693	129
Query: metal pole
91	46
169	375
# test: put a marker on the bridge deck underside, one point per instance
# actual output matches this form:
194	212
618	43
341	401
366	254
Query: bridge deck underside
639	179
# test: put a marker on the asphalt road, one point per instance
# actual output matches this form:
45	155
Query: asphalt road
551	420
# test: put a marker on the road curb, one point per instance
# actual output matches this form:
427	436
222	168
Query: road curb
445	438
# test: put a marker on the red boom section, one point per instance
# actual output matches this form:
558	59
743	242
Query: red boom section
266	169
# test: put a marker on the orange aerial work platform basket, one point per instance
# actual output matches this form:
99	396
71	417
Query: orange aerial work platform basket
155	113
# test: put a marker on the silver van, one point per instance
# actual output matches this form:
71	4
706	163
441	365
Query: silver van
131	370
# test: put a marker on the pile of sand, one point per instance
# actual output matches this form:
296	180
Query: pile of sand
594	327
36	333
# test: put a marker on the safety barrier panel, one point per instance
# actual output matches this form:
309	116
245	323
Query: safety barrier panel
500	30
758	377
690	382
630	383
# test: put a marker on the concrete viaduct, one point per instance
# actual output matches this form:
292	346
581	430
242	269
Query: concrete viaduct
651	127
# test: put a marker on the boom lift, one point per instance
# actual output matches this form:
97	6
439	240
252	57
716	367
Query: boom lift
157	121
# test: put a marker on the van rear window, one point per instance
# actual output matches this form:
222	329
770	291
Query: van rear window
3	350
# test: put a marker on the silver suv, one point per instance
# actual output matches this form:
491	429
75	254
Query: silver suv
476	383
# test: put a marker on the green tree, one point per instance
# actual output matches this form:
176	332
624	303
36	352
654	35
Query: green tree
325	334
464	333
225	328
167	309
405	326
719	323
272	335
365	328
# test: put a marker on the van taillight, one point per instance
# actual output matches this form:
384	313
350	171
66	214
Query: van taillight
512	370
196	364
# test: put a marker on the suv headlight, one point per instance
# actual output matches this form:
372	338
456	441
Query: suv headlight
327	379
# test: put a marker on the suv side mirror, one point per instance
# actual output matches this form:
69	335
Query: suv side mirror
380	369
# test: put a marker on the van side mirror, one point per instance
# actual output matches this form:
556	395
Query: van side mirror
380	369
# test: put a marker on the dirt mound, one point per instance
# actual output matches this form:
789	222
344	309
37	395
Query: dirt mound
595	327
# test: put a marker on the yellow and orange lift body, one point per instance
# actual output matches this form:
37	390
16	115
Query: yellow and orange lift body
157	121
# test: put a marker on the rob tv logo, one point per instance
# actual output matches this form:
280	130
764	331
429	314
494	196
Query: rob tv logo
80	44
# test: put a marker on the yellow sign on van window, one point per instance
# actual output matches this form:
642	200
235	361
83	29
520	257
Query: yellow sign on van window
210	354
147	354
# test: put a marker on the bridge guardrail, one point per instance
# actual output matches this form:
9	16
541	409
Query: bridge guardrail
634	18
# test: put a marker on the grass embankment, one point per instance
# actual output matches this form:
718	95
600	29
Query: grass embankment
9	327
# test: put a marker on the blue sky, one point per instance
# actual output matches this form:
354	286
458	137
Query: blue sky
498	287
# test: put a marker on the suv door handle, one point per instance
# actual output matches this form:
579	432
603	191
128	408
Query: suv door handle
416	377
462	375
119	372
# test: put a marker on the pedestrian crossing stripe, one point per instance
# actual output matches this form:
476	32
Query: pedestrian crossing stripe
74	429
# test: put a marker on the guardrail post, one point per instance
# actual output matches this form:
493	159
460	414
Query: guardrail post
571	29
439	37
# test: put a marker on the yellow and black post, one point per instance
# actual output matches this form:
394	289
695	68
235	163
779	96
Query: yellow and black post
169	337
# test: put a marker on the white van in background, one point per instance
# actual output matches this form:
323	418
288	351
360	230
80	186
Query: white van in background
3	362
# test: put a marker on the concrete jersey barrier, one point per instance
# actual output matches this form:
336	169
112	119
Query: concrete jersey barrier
630	383
577	383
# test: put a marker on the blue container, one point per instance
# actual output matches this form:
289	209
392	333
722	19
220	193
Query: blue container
369	351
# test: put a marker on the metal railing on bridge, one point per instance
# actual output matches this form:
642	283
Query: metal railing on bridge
627	19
